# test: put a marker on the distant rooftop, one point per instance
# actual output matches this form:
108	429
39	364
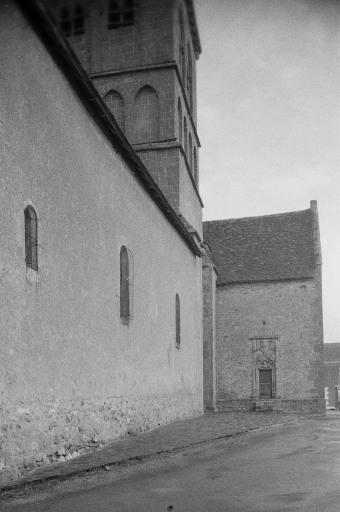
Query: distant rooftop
265	248
331	352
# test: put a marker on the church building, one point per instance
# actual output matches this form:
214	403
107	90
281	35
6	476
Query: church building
268	315
119	312
100	260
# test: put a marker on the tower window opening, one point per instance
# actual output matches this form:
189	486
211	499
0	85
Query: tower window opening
190	153
78	20
146	112
128	12
114	15
121	13
72	25
65	22
189	79
181	46
195	166
180	122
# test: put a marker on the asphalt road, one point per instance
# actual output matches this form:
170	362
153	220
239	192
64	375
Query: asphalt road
290	468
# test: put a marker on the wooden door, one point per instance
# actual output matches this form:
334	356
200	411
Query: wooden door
266	383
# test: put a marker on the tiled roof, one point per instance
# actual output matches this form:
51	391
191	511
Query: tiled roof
331	352
266	248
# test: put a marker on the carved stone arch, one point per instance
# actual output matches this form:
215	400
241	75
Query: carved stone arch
265	364
115	102
146	115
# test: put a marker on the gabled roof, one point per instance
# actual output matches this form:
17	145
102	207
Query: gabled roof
331	352
266	248
42	22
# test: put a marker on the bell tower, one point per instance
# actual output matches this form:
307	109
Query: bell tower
141	56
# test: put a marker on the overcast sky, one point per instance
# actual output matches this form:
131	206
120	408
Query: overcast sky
269	117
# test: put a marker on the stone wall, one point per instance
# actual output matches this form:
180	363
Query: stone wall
283	322
44	432
209	334
71	370
164	158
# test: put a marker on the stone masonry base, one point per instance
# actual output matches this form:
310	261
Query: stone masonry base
40	433
309	406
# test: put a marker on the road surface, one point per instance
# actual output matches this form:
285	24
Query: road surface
289	468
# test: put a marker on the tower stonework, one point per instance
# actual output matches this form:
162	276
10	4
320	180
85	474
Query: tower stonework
141	56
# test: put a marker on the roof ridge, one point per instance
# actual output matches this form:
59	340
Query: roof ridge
237	219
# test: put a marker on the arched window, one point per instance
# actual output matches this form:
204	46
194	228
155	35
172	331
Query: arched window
78	20
195	166
190	153
185	136
189	77
146	115
180	122
181	45
31	237
65	22
115	103
124	285
178	321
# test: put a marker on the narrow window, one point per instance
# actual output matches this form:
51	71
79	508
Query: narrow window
190	153
181	46
180	122
128	12
178	321
189	78
31	238
78	20
195	166
65	22
124	286
185	136
114	15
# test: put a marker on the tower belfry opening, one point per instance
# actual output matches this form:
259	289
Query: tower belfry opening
141	55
